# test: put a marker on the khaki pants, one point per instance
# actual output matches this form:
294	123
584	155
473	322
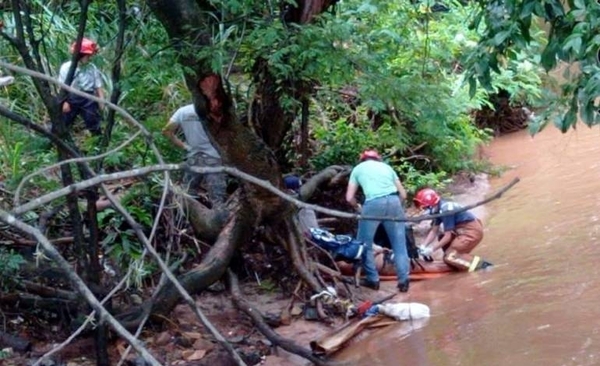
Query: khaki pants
466	237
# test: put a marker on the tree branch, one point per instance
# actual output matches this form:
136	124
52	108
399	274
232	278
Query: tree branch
260	323
80	285
232	171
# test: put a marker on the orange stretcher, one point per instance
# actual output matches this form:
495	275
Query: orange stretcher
420	268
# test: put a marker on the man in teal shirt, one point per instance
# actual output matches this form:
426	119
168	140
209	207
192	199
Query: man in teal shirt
383	198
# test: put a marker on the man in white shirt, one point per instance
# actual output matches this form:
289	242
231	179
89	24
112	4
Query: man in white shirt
87	79
200	153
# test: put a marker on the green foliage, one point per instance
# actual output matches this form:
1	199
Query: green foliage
400	57
120	241
268	285
17	160
342	141
402	61
571	37
406	74
10	263
413	179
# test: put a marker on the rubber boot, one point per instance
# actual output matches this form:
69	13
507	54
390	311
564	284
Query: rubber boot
465	262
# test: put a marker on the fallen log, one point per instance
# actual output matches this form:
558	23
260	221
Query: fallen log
335	340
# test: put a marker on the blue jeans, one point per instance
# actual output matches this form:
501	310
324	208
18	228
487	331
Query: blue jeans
388	206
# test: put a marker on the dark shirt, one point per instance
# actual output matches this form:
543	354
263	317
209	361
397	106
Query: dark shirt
451	221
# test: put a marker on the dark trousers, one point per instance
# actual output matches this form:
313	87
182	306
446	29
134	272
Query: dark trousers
89	111
215	184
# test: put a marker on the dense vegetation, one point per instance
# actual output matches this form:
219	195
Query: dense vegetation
300	88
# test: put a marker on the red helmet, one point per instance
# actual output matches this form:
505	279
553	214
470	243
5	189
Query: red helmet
426	197
370	154
88	47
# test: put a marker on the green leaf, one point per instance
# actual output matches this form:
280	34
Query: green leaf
500	37
472	86
587	113
476	21
574	43
569	120
527	8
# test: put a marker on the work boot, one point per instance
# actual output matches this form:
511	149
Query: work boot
403	286
372	285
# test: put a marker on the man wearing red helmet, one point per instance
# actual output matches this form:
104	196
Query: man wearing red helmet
383	193
463	231
88	79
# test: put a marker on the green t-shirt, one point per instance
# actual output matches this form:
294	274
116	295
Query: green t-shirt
377	179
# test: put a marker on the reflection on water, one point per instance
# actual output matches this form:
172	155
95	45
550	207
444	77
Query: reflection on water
540	303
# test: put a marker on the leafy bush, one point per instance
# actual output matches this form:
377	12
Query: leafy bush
413	179
343	141
120	241
10	263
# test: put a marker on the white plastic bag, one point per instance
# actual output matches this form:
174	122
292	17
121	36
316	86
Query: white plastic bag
404	310
6	80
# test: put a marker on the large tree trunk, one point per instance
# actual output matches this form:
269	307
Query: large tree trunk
188	24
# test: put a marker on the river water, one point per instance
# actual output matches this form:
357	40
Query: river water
540	304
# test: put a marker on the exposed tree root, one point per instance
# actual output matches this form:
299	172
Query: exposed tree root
262	326
207	223
213	266
329	175
294	242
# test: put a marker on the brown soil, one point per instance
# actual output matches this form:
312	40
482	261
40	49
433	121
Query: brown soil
183	340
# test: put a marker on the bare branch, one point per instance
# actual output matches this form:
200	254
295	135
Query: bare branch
89	318
80	285
235	172
74	160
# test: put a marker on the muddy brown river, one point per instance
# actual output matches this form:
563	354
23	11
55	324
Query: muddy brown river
540	304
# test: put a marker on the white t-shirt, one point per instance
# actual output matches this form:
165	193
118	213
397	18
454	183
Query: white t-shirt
87	76
195	135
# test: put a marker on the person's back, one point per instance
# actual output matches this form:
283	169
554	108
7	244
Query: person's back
193	130
376	178
451	221
200	153
383	199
